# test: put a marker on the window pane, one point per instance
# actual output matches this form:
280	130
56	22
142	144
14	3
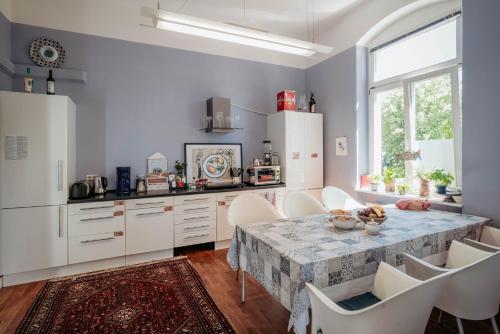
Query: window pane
434	123
425	49
390	107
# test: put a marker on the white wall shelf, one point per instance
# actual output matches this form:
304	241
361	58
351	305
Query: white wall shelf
19	70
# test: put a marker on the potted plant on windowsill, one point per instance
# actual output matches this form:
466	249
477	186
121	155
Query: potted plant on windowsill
403	188
424	183
442	180
374	182
389	178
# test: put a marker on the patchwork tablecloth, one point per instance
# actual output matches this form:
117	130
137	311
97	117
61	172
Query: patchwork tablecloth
284	254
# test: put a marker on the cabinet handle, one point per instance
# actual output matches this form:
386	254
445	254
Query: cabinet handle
195	227
196	209
149	203
314	155
197	236
61	213
95	240
196	218
59	175
197	199
149	214
95	219
98	207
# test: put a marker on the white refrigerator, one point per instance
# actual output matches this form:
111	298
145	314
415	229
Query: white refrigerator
37	166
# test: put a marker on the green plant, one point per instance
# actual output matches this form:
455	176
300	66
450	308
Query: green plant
389	175
179	167
403	188
441	177
375	178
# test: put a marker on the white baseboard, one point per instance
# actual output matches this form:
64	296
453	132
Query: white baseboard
222	244
80	268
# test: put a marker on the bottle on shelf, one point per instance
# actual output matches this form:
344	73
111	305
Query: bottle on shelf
312	103
29	84
51	84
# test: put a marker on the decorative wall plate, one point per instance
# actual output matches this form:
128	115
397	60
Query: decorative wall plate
46	52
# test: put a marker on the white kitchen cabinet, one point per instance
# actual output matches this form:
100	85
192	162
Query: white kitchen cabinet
224	230
33	238
149	230
195	219
298	139
96	247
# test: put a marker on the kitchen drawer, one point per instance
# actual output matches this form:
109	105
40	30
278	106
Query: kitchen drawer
152	202
228	197
194	199
96	247
96	223
83	208
195	237
149	230
195	226
195	217
194	208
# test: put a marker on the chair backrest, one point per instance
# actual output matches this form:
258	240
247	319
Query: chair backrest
472	293
405	312
335	198
490	236
250	208
300	203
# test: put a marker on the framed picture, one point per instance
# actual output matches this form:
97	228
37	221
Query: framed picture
341	146
212	161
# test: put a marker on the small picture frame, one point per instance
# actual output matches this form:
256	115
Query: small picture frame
341	146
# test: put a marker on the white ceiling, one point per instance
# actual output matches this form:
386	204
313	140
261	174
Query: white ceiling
291	18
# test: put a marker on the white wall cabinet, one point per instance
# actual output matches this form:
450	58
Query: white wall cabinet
298	139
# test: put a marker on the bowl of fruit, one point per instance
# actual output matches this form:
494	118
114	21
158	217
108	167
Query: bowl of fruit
374	213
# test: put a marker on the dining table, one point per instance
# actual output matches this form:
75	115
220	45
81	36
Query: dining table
284	254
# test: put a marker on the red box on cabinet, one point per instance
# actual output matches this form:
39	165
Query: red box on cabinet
286	100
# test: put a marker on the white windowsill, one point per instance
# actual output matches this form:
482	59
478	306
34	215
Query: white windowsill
436	199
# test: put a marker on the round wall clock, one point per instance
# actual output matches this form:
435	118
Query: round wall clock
47	53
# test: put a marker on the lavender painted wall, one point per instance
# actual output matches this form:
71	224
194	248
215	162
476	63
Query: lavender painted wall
481	108
341	94
140	99
5	43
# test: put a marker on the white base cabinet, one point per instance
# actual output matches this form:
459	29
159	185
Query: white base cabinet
149	230
44	242
33	238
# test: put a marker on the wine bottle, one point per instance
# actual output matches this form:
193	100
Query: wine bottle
312	103
28	82
51	84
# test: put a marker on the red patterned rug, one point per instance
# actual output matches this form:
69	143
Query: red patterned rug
162	297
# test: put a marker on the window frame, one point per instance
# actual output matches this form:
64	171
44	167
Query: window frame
405	81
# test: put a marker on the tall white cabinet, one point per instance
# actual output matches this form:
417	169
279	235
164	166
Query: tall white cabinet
298	139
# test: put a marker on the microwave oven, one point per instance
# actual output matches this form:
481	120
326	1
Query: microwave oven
265	175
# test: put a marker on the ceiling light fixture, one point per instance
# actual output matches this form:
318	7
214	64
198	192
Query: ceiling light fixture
185	24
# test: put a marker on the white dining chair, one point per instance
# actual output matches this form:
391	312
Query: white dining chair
400	304
300	203
490	236
472	293
335	198
248	209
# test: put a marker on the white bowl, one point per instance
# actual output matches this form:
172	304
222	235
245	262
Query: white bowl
373	228
345	225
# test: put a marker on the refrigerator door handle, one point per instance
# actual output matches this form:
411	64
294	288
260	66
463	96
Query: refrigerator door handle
59	175
61	220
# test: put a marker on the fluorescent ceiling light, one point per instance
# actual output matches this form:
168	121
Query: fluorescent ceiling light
229	33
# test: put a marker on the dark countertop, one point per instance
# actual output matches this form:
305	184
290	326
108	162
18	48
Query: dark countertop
113	196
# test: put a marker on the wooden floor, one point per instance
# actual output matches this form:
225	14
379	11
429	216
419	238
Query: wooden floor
260	313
